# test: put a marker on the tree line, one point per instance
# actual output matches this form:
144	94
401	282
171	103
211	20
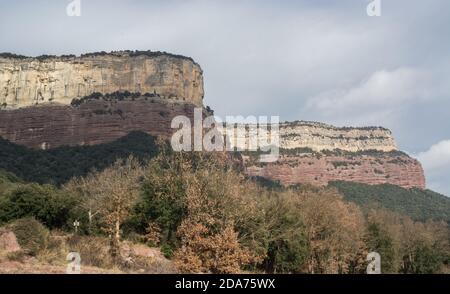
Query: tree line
209	218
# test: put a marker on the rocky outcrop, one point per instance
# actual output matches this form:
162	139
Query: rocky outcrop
316	153
94	121
28	81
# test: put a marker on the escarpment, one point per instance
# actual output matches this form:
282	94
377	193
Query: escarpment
29	81
316	153
319	137
48	102
321	168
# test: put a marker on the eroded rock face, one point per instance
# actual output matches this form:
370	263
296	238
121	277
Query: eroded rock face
316	153
32	81
319	169
319	137
93	122
369	157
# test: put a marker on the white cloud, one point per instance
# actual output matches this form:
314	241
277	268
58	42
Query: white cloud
436	163
437	156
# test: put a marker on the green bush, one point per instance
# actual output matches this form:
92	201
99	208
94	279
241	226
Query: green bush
31	235
45	203
167	251
8	182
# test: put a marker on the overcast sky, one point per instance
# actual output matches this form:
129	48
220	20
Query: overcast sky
309	60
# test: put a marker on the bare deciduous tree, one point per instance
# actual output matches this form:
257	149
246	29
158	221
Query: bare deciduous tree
111	194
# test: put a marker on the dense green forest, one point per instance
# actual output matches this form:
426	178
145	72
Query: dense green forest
57	166
418	204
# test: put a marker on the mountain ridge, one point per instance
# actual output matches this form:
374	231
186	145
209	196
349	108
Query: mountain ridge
49	102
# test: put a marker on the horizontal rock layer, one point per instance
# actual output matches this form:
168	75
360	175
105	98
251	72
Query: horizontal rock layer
367	155
318	137
92	122
319	169
31	81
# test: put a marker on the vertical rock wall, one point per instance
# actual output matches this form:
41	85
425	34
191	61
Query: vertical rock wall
33	81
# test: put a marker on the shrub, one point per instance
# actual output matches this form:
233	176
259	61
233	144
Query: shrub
45	203
196	200
167	251
18	256
153	234
31	234
55	252
94	251
12	55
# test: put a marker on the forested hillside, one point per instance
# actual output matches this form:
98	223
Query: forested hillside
57	166
418	204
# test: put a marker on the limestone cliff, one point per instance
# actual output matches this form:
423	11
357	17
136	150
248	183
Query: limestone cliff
28	81
318	137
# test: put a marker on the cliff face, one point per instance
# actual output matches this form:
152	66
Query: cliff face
36	96
320	169
318	137
310	157
315	153
31	81
93	122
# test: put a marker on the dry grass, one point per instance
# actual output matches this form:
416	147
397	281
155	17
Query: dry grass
94	251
